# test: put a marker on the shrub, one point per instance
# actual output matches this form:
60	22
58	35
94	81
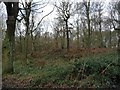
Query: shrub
103	69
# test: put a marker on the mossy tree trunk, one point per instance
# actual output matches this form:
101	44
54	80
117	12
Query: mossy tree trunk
9	42
9	47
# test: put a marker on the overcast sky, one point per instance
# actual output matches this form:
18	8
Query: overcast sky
49	19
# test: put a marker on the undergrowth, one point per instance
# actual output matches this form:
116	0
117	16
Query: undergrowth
98	71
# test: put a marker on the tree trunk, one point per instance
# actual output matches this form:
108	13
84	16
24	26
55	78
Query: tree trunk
26	44
9	42
10	46
78	39
21	42
100	30
56	41
32	42
110	42
67	34
101	40
27	34
88	24
63	39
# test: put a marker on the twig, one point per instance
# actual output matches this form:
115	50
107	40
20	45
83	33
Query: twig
103	71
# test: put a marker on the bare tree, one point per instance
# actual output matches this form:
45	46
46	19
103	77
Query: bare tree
64	10
87	14
27	14
100	9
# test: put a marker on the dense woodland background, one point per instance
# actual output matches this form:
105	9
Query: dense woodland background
79	48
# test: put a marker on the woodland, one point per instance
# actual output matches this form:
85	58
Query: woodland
78	48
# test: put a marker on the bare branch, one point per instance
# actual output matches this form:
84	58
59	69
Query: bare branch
42	19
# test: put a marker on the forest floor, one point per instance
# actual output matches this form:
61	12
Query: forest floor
58	68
